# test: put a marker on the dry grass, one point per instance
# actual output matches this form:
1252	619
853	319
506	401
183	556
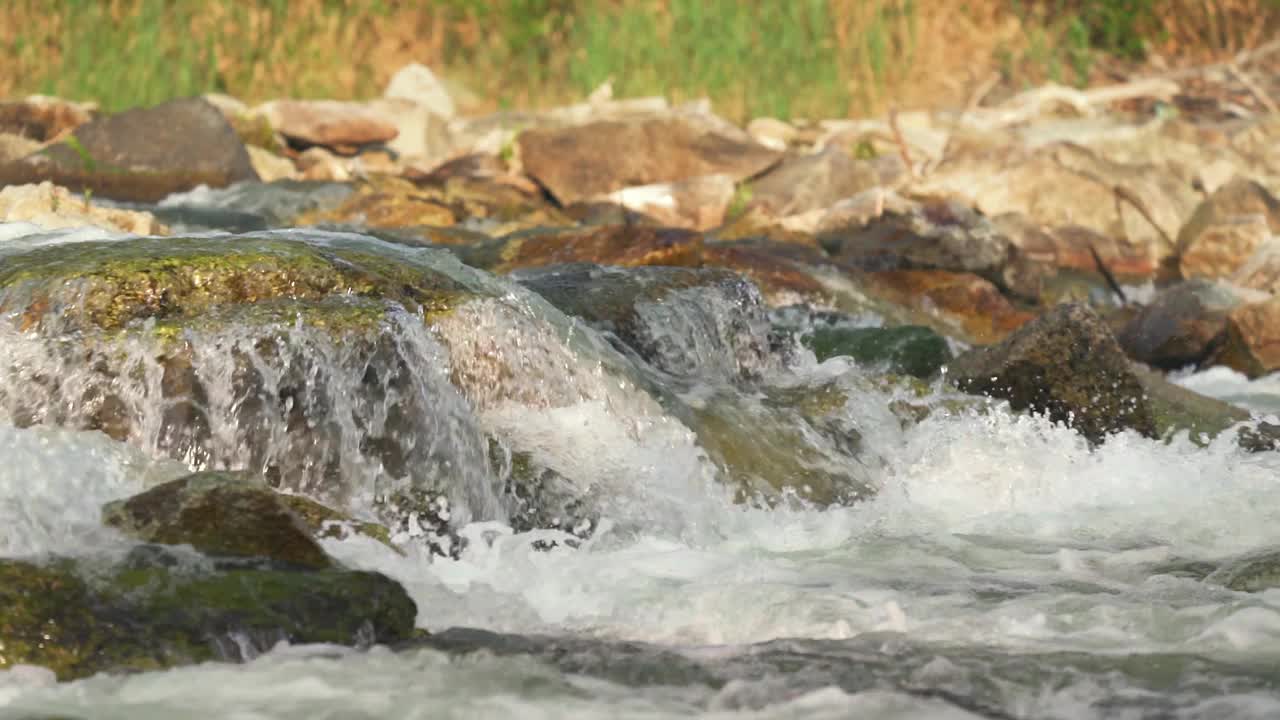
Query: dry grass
751	58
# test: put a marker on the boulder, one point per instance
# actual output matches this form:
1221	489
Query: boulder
422	137
416	83
932	234
1176	409
586	161
1252	341
961	304
804	183
219	514
50	206
905	350
159	610
142	155
1061	184
43	119
1072	248
1067	365
1261	271
270	166
1226	229
1181	326
685	321
331	123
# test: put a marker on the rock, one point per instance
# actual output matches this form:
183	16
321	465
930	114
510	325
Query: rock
239	335
1261	271
771	133
43	119
158	610
1226	229
50	206
1067	365
607	245
697	203
684	321
142	155
907	349
1181	326
1252	341
219	514
933	234
230	107
271	167
961	304
14	147
1223	248
331	123
782	271
1176	409
1071	248
585	161
1063	184
806	183
422	137
318	164
416	83
1253	572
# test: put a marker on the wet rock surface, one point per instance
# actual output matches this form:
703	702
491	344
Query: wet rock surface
219	514
1067	365
157	609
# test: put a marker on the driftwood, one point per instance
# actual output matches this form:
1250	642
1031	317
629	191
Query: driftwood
1032	103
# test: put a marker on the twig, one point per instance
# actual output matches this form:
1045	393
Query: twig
975	100
1254	88
1106	274
903	150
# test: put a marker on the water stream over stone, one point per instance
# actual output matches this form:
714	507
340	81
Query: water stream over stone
673	515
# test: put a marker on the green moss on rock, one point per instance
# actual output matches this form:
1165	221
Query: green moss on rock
153	612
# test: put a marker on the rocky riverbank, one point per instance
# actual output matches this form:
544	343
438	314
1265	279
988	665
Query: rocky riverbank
1059	251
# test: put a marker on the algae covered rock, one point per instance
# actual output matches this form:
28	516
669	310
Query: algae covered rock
158	610
908	349
1067	365
142	154
1251	572
219	514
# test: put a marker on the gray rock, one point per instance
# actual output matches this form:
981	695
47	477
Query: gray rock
1181	326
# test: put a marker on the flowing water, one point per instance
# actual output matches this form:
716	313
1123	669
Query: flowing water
1002	569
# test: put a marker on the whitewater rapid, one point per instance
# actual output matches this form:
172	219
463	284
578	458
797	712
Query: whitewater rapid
1006	569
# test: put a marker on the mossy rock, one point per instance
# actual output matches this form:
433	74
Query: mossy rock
909	349
156	611
1175	409
221	514
1067	365
110	284
1252	572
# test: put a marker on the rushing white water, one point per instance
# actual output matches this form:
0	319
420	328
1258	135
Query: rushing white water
1005	569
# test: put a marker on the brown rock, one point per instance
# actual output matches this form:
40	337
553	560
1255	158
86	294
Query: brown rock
1067	365
1062	184
1226	229
1252	342
142	154
1071	247
1181	326
586	161
43	118
220	514
327	122
781	270
1262	270
609	245
967	304
387	202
